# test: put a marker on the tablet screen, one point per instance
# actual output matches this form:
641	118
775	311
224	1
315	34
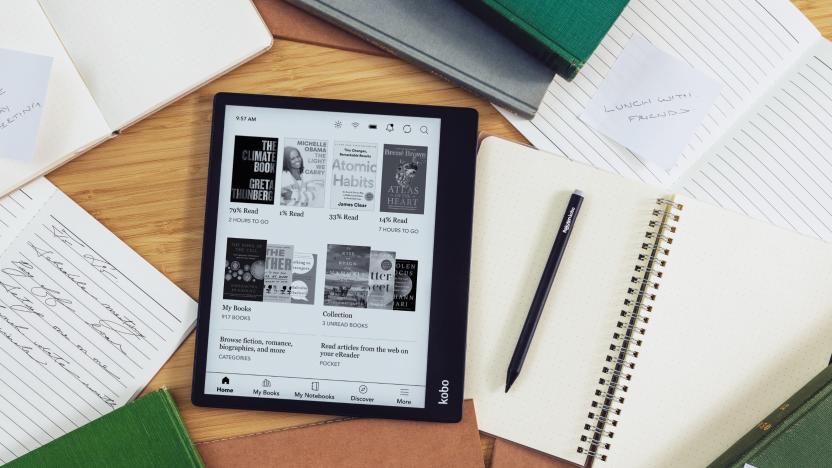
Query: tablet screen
323	257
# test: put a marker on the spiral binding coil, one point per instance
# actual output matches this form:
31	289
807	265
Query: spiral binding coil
632	324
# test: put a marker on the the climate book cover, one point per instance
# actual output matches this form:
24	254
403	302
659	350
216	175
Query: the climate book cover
347	275
403	179
353	176
254	171
245	267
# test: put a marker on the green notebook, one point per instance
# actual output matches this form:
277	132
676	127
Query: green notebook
561	33
796	434
145	433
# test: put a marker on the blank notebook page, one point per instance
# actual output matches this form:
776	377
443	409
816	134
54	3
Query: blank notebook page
742	320
136	56
521	197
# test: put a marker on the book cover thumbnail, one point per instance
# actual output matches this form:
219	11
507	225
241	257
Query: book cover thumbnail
403	179
354	168
405	289
254	171
304	268
347	275
277	281
382	280
303	175
245	266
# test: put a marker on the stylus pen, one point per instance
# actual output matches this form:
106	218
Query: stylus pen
543	288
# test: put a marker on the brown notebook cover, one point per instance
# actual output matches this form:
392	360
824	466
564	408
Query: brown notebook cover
510	455
290	22
355	443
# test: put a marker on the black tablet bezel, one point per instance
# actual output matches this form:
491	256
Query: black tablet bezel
451	268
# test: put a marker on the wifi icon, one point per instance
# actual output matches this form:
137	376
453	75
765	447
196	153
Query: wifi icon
355	125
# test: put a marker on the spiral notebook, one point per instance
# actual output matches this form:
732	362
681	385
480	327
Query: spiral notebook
672	327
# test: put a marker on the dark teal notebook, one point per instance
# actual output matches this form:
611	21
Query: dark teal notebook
145	433
563	33
795	434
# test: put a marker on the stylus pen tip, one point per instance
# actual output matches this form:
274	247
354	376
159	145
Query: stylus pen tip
510	382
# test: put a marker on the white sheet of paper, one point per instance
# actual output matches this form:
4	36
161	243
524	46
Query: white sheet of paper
85	322
651	102
24	78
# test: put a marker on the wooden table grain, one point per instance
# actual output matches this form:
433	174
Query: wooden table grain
148	185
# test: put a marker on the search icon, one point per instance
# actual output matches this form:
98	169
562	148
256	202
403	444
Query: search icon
424	129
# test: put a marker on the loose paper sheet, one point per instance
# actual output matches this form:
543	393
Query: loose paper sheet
651	102
85	322
24	78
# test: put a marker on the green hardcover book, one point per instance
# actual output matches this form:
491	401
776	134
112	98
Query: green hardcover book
796	434
561	33
145	433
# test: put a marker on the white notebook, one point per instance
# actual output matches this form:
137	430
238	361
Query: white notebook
741	318
115	61
85	323
764	148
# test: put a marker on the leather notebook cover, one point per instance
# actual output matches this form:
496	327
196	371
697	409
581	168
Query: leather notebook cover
446	38
355	443
287	21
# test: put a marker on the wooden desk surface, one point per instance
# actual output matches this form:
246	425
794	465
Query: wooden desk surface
148	185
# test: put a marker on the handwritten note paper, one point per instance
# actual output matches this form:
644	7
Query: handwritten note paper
24	79
651	102
85	322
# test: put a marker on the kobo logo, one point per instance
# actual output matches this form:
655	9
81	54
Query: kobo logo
443	392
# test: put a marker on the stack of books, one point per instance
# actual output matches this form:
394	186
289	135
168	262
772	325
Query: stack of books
519	47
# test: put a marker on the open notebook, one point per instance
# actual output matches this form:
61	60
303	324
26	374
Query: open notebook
736	315
115	61
764	148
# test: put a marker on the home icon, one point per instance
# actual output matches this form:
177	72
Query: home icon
225	381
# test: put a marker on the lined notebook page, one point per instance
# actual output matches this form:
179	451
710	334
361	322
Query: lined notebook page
85	323
745	44
520	200
776	165
742	320
71	119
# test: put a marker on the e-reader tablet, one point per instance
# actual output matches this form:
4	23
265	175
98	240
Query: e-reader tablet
336	257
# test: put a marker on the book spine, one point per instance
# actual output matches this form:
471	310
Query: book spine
768	428
515	105
515	28
608	401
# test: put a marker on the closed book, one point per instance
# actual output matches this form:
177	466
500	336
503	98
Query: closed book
145	433
562	34
794	434
449	40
